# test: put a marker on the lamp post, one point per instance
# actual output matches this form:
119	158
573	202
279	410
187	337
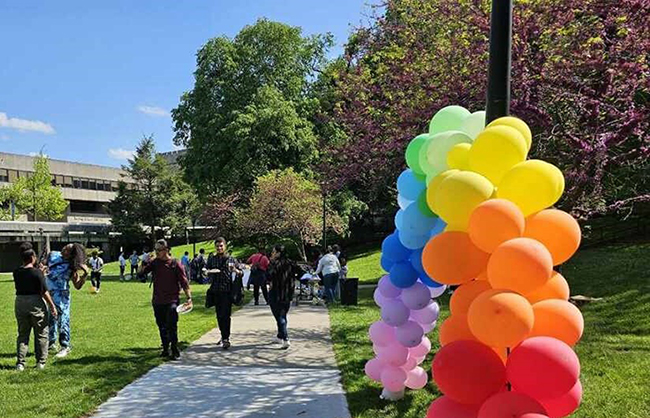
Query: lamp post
498	89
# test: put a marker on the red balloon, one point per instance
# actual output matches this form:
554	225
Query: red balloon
444	407
510	404
543	368
468	372
565	404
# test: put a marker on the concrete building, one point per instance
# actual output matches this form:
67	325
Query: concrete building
87	188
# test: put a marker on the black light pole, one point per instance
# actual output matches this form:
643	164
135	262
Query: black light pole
498	89
324	223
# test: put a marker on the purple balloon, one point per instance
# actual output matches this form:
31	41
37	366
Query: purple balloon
417	296
381	334
437	291
416	378
394	354
427	328
410	334
379	298
426	315
387	288
393	378
374	368
394	313
421	349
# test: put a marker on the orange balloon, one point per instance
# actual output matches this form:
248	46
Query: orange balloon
465	295
500	318
451	258
556	288
557	230
482	276
494	222
558	319
455	328
521	264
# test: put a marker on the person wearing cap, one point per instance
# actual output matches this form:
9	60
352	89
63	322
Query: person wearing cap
168	279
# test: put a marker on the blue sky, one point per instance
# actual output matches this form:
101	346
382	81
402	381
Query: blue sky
84	80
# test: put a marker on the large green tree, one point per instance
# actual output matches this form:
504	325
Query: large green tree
250	110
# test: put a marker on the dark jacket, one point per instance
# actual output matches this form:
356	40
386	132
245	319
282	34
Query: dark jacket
282	274
222	281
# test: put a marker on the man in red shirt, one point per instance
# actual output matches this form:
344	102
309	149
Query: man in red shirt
259	264
168	279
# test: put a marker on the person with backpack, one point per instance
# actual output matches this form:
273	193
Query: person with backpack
259	263
219	268
282	274
168	279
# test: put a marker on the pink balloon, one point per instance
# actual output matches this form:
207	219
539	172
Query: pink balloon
377	349
410	364
416	378
444	407
565	404
410	334
393	378
426	315
381	333
387	288
533	415
420	360
374	368
421	349
394	313
509	404
416	297
437	291
394	354
380	300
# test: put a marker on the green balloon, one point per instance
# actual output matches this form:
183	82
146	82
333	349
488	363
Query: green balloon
423	206
474	124
448	118
413	153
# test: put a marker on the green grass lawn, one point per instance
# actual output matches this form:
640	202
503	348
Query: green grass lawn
114	339
364	264
614	351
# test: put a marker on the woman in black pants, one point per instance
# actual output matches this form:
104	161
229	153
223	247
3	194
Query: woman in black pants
282	274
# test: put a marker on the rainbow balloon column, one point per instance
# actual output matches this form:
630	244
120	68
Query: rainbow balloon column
507	348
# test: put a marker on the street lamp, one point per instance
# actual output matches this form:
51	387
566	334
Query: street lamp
498	89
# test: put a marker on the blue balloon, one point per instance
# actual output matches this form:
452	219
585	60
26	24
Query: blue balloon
392	249
416	260
386	264
409	186
414	222
412	241
399	219
428	281
403	202
403	274
438	227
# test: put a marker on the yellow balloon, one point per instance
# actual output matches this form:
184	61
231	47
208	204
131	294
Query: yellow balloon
437	150
516	123
533	185
495	151
432	187
458	156
457	195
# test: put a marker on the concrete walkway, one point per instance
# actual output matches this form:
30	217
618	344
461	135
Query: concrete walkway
255	378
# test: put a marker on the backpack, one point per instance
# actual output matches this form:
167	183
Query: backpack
237	290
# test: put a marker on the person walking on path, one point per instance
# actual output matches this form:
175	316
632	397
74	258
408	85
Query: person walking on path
282	274
259	263
62	267
134	260
330	267
168	279
219	269
30	310
145	258
122	261
97	265
185	260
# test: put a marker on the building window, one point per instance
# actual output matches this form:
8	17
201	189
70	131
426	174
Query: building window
83	206
100	185
59	180
76	182
92	184
4	175
67	181
84	184
13	175
114	186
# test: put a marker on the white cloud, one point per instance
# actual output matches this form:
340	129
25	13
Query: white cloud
153	111
24	125
120	154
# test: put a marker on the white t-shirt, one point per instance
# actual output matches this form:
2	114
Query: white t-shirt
329	264
122	260
96	263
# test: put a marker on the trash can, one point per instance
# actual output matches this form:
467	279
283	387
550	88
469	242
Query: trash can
349	291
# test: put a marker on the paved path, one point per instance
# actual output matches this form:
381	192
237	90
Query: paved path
255	378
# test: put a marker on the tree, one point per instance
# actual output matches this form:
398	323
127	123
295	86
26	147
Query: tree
580	80
286	204
249	111
156	197
35	194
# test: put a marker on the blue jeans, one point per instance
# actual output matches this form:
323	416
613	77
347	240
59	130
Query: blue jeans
61	324
330	281
280	311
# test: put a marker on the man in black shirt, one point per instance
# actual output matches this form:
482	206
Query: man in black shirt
219	269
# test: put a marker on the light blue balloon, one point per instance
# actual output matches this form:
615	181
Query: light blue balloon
414	222
438	227
399	219
403	202
409	186
412	241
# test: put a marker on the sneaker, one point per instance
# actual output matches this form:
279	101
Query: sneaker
225	344
97	291
63	353
164	353
40	366
285	344
257	303
176	355
219	343
20	367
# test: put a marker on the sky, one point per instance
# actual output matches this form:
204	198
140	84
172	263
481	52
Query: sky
85	80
